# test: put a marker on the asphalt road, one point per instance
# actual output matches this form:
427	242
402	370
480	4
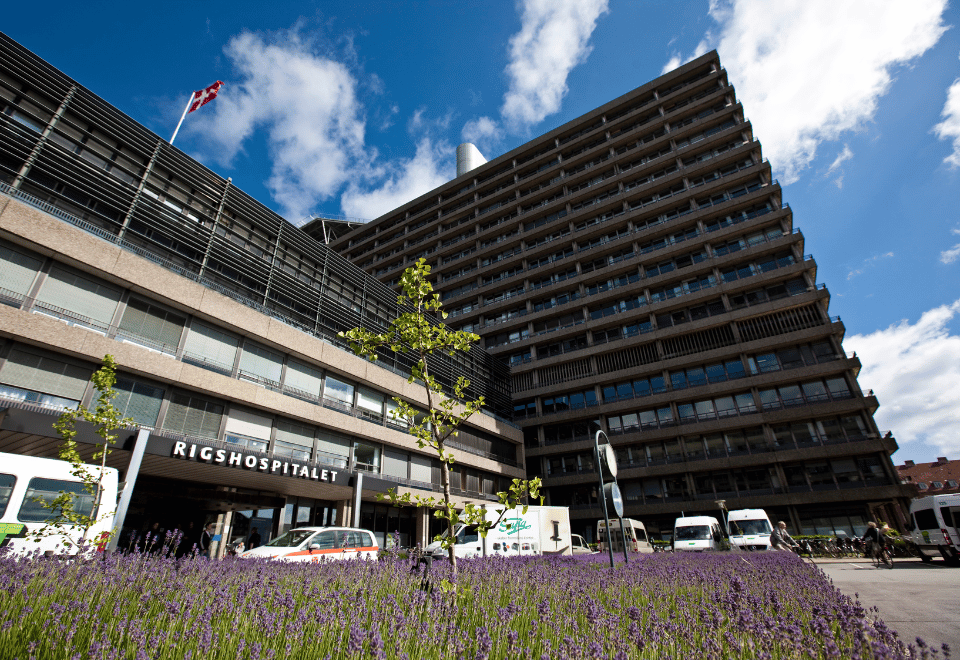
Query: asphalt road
915	599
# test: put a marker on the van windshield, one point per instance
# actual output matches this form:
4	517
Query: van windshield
744	527
693	533
292	539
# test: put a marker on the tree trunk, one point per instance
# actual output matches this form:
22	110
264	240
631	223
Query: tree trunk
445	480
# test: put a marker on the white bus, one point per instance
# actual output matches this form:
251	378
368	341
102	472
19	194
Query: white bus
637	540
24	480
936	526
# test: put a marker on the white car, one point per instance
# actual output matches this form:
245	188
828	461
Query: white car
316	544
579	545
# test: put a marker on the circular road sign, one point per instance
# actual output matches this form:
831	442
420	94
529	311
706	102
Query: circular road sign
612	492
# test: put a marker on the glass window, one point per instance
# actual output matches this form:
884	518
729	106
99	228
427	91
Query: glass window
138	401
815	391
7	482
152	326
648	419
338	390
790	395
49	490
745	403
366	456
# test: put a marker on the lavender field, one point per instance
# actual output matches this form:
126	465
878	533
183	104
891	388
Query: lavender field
659	606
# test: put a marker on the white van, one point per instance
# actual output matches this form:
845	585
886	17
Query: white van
936	526
749	529
316	544
24	479
696	534
579	545
637	540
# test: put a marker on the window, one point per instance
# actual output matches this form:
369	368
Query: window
922	485
937	484
210	348
193	416
338	391
78	299
49	490
7	482
149	325
42	380
366	456
138	401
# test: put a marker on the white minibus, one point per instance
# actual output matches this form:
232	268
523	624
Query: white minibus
696	534
936	526
749	529
26	479
637	540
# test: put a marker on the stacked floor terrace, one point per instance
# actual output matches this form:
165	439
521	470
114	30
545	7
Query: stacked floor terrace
638	268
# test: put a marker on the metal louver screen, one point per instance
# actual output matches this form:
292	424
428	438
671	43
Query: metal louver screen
138	401
158	326
17	271
295	434
192	416
304	378
210	347
261	363
79	295
43	374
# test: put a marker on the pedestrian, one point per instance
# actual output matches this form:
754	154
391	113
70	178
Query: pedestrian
780	539
254	540
206	540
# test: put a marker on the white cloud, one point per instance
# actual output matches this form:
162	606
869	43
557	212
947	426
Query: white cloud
949	128
554	37
809	71
867	263
307	105
843	156
403	180
951	255
483	132
914	371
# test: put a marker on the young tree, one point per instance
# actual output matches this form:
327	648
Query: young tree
416	332
67	514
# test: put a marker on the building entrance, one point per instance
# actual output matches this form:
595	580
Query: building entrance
160	506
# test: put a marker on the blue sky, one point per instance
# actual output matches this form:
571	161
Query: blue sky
355	108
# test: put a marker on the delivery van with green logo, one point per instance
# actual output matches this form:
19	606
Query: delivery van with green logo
26	482
541	530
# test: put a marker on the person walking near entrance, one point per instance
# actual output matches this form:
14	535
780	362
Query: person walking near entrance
254	540
206	539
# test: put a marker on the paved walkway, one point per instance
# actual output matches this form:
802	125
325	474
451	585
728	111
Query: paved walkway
913	598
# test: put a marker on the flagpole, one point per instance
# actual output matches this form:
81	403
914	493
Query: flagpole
189	101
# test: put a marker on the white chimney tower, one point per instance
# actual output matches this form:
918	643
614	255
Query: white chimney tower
468	158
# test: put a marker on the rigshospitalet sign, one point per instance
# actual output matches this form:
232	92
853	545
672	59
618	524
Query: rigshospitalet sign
236	459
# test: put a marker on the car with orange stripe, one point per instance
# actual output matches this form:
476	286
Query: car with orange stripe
316	544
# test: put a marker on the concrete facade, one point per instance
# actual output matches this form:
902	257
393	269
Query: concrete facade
638	268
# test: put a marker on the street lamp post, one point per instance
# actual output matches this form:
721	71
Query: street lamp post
722	505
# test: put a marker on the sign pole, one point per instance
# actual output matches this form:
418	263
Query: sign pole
603	497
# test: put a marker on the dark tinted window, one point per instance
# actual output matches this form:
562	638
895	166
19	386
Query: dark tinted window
926	519
48	490
7	482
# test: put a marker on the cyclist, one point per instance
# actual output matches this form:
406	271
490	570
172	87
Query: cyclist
780	539
875	539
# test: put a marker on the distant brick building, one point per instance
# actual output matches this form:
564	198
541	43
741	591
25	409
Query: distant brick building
938	478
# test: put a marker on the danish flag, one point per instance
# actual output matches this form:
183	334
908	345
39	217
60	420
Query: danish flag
204	96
